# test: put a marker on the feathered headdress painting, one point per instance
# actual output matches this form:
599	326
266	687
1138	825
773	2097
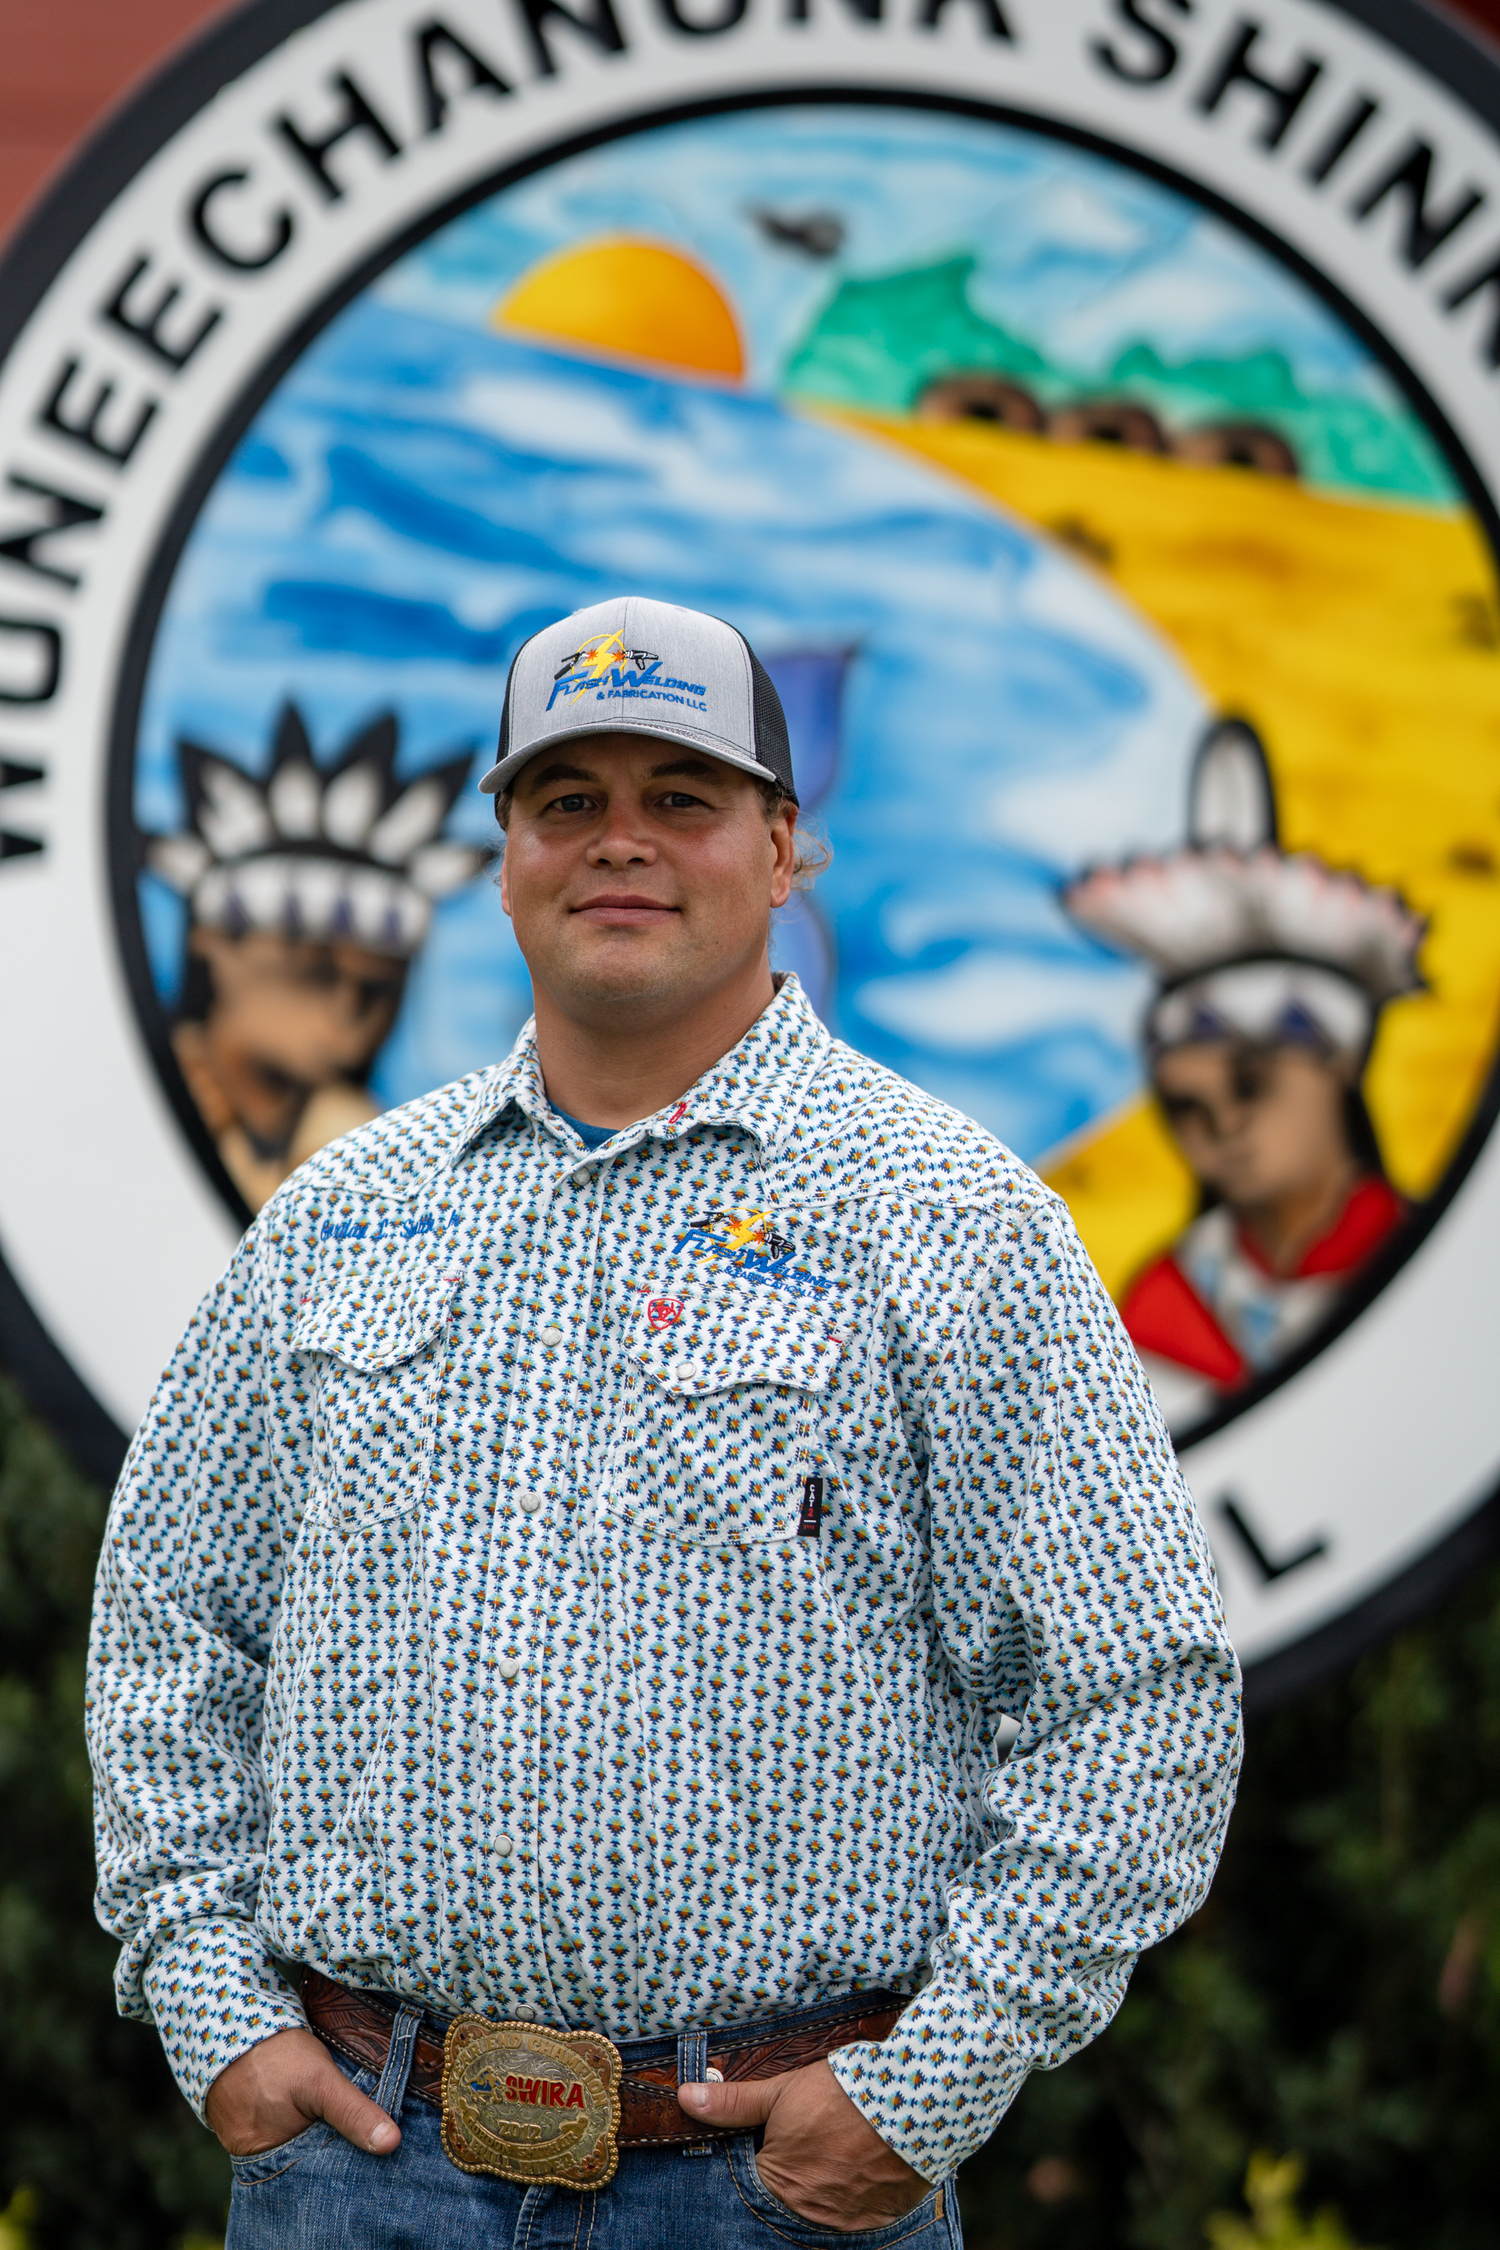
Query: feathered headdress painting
345	853
1250	941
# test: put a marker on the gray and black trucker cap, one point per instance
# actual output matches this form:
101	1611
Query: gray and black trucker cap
633	666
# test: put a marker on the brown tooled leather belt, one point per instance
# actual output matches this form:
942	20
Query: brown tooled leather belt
360	2030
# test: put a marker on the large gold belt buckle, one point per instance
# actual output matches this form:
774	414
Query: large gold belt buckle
541	2108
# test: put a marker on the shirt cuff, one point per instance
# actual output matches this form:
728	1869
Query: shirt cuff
214	1992
938	2086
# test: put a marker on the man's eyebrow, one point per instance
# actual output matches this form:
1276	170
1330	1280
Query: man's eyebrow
558	769
539	777
695	767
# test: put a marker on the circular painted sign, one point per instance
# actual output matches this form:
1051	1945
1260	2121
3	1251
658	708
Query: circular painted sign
1087	407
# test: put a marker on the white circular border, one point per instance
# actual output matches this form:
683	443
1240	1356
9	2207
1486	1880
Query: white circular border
1389	1438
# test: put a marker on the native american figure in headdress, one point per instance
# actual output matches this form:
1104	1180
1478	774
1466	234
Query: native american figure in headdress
1273	969
309	893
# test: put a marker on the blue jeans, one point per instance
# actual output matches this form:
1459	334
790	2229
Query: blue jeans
317	2192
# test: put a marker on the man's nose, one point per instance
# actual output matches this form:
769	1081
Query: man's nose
620	843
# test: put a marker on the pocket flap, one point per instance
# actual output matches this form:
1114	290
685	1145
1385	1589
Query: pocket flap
693	1344
374	1326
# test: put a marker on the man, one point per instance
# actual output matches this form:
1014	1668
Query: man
568	1603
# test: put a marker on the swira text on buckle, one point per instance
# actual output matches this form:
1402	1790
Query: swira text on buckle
540	2108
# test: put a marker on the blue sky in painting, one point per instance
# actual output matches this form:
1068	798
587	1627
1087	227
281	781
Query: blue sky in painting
420	492
1074	253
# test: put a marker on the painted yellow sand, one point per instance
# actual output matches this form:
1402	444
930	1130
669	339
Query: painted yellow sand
1363	641
634	300
1128	1190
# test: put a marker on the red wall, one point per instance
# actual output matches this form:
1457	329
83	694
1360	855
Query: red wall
66	60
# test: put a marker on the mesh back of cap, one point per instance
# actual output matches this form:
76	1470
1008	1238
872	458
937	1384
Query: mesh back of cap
772	744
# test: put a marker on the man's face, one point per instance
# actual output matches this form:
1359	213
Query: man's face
1257	1124
638	873
288	1017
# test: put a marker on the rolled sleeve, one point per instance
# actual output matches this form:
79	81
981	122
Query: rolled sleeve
214	1992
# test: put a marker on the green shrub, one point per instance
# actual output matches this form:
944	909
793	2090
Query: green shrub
92	2129
1338	1996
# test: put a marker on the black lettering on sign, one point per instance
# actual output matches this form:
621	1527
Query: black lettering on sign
1410	176
87	429
433	40
991	18
730	12
14	775
63	511
799	11
146	325
1284	96
1269	1567
30	660
204	224
1462	292
1343	137
354	115
1161	54
596	21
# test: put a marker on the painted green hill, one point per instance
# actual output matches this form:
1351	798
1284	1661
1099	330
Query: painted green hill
880	340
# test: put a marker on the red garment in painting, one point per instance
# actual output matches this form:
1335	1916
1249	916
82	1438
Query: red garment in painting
1214	1306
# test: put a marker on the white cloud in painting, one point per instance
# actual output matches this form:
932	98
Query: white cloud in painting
1075	217
986	1001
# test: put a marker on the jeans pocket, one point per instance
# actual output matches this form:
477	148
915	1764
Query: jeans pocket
251	2171
926	2225
270	2163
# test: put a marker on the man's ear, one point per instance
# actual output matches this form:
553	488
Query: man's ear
784	846
504	871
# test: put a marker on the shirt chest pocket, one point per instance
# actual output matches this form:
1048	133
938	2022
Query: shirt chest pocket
375	1356
722	1411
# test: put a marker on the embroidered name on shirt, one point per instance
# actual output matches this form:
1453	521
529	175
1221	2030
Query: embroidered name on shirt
358	1230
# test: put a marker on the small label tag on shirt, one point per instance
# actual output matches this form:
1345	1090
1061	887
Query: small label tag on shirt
810	1522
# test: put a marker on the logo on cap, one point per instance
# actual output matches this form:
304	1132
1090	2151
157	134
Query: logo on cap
604	663
607	666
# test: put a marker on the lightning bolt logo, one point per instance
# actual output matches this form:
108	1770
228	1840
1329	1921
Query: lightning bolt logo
601	654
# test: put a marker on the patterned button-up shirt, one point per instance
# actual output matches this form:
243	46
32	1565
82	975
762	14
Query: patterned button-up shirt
604	1584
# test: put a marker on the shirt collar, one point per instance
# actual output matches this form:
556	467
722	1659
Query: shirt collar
756	1086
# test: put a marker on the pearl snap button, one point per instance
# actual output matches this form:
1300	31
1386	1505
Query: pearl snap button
505	1847
530	1502
714	2077
551	1336
523	2008
509	1667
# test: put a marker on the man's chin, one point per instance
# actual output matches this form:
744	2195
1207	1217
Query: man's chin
642	972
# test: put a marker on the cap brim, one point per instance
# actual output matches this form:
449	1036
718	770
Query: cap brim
710	745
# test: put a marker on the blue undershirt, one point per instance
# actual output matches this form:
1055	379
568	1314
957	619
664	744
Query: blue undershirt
592	1136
